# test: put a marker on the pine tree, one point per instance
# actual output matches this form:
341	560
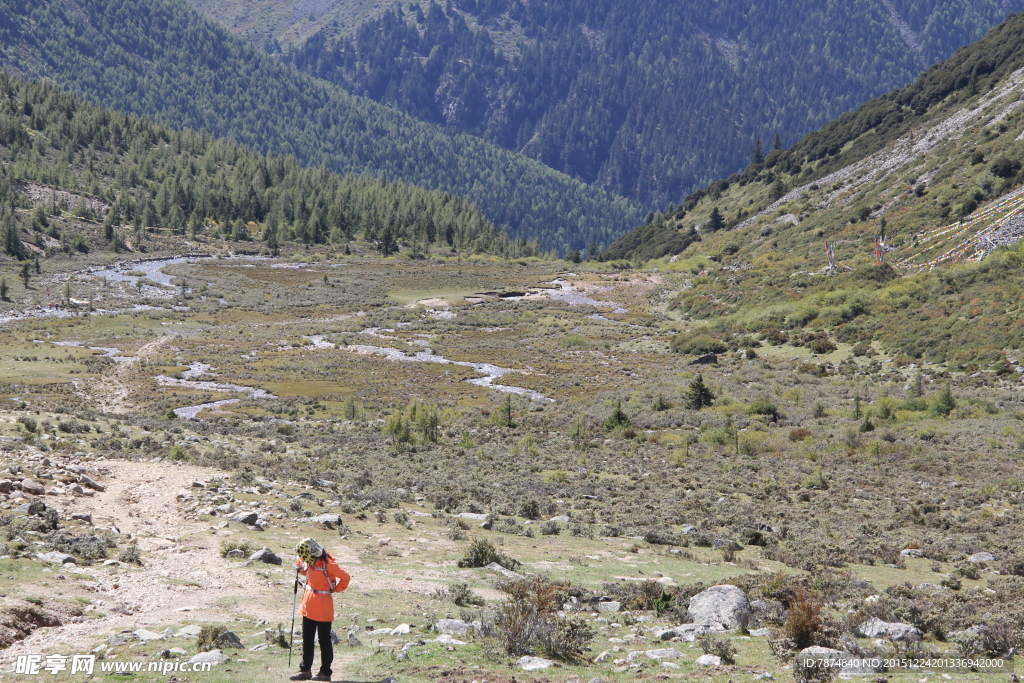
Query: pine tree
715	221
3	289
698	395
944	403
776	143
617	419
757	155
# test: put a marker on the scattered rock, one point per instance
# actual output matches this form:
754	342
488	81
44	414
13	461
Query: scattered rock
534	663
609	606
452	627
247	518
448	640
912	552
230	639
706	359
725	604
213	657
144	635
29	486
507	573
6	486
401	630
235	553
191	631
603	657
876	628
726	543
709	660
326	518
265	555
664	653
982	557
82	517
96	486
55	557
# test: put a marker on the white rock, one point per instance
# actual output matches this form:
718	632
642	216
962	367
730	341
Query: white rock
664	653
726	605
144	635
670	665
213	656
603	657
401	630
448	640
709	660
534	663
452	627
191	631
610	606
982	557
876	628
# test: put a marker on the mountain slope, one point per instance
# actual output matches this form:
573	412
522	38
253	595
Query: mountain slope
648	99
932	169
161	58
59	154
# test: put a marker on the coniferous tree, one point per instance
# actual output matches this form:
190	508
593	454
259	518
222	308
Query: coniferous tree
757	154
715	221
698	395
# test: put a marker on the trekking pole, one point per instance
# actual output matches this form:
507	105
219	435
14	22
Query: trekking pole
291	634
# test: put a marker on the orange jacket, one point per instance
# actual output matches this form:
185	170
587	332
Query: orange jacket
323	577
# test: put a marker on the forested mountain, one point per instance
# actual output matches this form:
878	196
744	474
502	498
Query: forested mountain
135	175
648	98
161	58
899	223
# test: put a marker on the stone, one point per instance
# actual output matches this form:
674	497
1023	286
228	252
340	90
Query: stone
724	604
559	518
609	606
876	628
706	359
213	657
664	653
401	630
87	481
709	660
55	557
448	640
230	639
145	636
687	632
6	486
191	631
247	518
982	557
534	663
507	573
472	515
855	667
912	552
29	486
234	554
670	665
760	632
452	627
265	555
225	509
603	657
327	518
82	517
726	543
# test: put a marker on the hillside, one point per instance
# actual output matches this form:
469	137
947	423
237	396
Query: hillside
932	169
76	177
164	59
648	99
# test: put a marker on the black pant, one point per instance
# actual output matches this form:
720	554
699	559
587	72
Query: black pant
322	631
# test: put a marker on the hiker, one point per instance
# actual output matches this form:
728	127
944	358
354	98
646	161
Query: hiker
323	577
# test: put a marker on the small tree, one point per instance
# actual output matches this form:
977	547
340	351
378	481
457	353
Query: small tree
944	403
715	221
698	395
26	273
580	434
857	413
3	289
617	419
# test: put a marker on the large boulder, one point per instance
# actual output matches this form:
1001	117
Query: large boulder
976	557
213	657
247	518
35	488
876	628
725	604
265	555
534	663
55	557
452	627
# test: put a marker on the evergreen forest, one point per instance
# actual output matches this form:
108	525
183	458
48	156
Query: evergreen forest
136	176
647	99
161	58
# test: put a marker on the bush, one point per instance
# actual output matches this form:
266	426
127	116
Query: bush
697	344
764	406
944	403
461	595
799	434
719	648
85	548
482	552
803	620
550	528
527	622
236	544
617	419
821	345
131	555
208	637
179	453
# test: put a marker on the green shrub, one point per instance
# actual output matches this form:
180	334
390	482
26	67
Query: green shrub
208	637
236	544
764	406
482	552
697	344
821	345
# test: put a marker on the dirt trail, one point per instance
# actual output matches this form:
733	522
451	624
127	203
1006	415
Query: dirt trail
184	578
111	390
